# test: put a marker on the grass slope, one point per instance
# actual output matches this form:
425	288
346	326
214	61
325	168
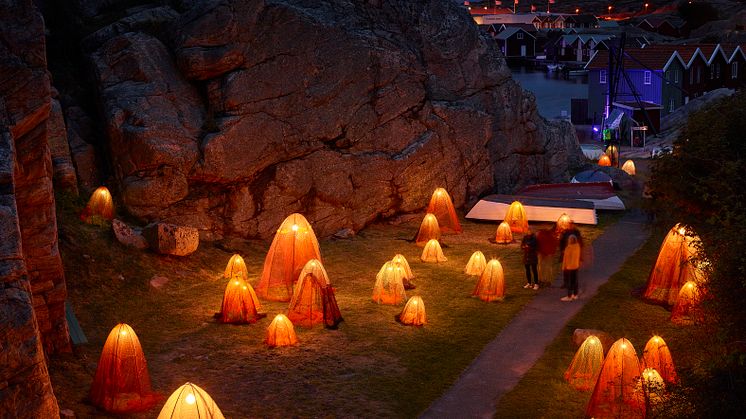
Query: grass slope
371	366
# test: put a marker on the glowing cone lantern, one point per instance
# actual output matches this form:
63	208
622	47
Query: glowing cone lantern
685	310
100	205
389	286
564	223
672	268
432	253
429	230
413	313
657	356
281	332
240	305
516	218
653	385
313	299
586	365
604	160
617	393
122	383
294	244
441	206
402	261
236	266
629	167
190	402
491	284
503	235
477	263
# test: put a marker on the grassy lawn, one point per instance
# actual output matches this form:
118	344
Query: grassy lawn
371	366
543	393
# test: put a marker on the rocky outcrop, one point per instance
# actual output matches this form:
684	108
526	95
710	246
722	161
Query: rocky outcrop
244	111
32	287
127	235
169	239
62	164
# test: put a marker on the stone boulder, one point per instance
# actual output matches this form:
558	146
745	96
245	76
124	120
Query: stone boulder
345	111
170	239
127	235
580	335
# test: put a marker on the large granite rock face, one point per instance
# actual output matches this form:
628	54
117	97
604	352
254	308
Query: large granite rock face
32	286
238	112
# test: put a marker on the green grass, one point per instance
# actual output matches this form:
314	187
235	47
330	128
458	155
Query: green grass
371	366
543	393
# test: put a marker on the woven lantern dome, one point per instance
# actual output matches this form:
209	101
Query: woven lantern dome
100	205
441	206
432	253
402	261
629	167
617	393
586	365
477	263
236	266
294	244
686	307
604	160
190	402
672	268
413	313
313	299
389	286
657	356
240	304
491	284
503	235
281	332
122	382
564	223
429	230
654	386
516	218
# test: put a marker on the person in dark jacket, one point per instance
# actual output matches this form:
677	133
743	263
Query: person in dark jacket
530	259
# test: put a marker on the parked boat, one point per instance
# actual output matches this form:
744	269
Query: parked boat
554	67
577	73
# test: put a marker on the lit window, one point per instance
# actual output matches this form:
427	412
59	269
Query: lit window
676	76
671	105
647	77
519	35
602	77
734	70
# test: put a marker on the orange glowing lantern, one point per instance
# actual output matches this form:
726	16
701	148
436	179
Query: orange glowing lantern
402	261
629	167
653	385
477	263
389	286
617	393
413	313
491	284
657	356
313	300
604	160
503	234
685	310
672	268
236	266
281	332
442	207
100	205
432	253
240	305
516	218
429	230
294	244
564	223
586	365
122	382
190	402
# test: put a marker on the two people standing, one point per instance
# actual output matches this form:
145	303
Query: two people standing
542	247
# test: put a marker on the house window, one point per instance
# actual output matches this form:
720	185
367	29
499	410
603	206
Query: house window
602	76
671	105
699	74
691	76
668	75
734	70
717	70
647	77
519	35
676	74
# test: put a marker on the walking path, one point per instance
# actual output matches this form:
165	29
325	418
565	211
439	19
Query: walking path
503	362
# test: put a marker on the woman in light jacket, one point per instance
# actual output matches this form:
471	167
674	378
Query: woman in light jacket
570	266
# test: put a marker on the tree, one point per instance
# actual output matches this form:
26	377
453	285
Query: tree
701	186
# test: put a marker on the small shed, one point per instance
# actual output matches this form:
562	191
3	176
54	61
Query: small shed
516	42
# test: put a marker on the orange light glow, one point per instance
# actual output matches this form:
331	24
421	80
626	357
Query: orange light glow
433	253
99	205
188	402
516	218
281	332
491	284
441	206
413	313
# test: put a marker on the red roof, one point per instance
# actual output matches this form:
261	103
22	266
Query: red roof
652	57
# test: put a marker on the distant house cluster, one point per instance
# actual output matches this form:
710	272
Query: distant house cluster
664	76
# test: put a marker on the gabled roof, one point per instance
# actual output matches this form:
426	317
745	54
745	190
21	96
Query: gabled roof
732	50
654	57
657	21
508	32
718	50
584	38
511	18
525	26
